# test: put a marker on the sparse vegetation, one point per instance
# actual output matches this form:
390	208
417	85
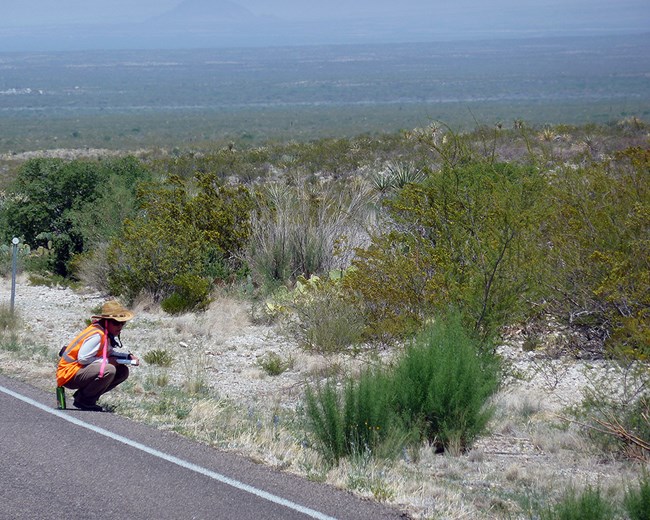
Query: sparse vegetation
513	227
274	365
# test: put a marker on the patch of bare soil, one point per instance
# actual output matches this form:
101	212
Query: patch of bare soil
529	456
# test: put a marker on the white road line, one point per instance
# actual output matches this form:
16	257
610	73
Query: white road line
170	458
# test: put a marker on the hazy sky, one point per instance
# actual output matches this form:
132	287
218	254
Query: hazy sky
20	12
113	24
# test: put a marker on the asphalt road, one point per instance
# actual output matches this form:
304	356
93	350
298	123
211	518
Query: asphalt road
84	465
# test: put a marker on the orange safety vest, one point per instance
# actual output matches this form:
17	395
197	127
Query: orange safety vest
68	364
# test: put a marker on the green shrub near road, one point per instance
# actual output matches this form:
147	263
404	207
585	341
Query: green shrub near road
590	504
437	391
637	500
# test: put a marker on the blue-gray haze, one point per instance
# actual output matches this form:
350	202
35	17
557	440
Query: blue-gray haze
114	24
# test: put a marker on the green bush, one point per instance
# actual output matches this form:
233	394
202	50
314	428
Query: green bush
390	284
191	293
178	240
351	422
467	237
437	391
598	234
442	385
588	505
637	501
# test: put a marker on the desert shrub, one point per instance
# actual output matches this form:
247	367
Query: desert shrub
467	237
177	242
437	391
590	504
274	365
443	382
296	228
317	314
155	247
389	283
158	357
599	237
190	293
66	204
637	500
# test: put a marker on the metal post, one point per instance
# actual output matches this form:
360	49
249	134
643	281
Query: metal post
14	255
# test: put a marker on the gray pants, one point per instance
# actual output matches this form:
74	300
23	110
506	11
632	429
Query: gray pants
90	386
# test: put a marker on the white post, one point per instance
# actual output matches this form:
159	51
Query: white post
14	255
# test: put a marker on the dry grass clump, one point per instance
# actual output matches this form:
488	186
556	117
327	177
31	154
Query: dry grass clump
225	317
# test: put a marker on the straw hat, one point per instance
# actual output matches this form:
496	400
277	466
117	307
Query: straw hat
112	310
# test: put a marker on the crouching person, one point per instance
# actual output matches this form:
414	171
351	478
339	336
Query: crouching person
90	364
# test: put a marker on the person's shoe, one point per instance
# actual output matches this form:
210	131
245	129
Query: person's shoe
87	407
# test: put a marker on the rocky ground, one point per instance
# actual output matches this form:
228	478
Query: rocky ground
530	454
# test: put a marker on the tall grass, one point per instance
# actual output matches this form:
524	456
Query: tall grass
296	228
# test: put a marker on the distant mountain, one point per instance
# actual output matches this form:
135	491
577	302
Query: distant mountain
191	12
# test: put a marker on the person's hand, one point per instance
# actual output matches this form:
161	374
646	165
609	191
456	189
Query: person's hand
134	360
